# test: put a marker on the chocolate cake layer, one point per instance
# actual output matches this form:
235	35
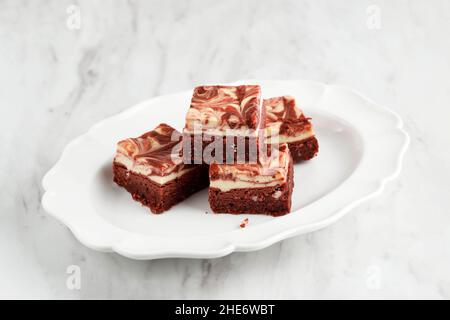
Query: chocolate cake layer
304	149
160	198
225	150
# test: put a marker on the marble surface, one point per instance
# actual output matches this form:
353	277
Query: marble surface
58	77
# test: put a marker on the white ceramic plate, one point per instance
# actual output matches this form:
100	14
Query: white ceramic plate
361	148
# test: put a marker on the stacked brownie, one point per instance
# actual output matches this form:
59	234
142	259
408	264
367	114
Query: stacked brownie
247	144
222	123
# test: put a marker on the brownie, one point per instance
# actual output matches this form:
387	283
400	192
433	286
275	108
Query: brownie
286	123
224	118
150	167
264	187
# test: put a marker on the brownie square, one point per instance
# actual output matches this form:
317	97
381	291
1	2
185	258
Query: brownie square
264	187
150	167
286	123
225	118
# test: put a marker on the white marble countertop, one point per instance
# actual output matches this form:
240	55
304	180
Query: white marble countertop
58	77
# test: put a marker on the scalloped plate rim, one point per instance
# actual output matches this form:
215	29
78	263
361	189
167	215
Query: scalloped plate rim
229	247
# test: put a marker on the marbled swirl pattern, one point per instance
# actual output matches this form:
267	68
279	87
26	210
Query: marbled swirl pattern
224	107
273	168
156	152
283	117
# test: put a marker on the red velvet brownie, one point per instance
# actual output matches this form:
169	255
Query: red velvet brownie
150	167
223	119
286	123
264	187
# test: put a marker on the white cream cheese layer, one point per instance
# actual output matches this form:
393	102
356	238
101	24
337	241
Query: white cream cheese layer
227	185
241	132
289	139
146	171
164	179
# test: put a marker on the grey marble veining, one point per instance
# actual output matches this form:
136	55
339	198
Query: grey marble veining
56	80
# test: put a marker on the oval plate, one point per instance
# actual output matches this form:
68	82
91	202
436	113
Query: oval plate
361	148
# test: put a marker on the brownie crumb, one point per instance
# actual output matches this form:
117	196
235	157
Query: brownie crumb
244	223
